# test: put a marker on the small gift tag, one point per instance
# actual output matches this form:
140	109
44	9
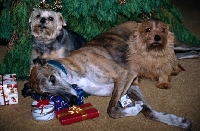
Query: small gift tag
125	101
43	110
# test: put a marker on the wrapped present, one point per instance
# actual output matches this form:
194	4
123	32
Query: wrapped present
59	102
43	110
126	101
8	89
76	113
80	94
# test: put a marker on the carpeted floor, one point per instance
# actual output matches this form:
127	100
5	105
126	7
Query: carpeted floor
182	99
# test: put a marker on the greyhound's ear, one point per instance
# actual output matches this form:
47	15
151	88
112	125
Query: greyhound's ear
37	61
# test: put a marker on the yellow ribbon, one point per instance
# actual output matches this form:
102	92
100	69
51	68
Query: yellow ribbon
74	109
77	110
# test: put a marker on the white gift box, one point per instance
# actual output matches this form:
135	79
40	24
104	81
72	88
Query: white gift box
8	89
43	112
125	101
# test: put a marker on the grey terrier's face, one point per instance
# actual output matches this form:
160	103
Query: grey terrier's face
46	24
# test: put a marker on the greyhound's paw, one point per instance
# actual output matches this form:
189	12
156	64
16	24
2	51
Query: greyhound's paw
185	124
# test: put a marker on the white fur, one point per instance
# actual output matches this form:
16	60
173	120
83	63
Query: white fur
89	86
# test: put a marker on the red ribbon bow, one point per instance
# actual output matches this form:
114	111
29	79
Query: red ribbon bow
42	103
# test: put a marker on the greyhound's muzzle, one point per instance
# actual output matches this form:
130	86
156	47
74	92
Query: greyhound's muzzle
71	99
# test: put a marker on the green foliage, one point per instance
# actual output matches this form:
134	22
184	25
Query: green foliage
18	60
86	17
94	17
6	25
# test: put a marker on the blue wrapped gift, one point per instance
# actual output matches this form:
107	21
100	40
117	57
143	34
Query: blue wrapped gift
80	94
59	102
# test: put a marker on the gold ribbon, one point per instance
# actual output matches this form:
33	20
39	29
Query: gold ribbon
74	109
77	110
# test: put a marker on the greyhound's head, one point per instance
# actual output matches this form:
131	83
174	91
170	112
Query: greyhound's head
50	78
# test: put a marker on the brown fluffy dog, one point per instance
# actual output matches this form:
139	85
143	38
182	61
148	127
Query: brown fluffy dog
152	55
146	48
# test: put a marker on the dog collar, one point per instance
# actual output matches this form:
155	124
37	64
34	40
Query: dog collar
57	65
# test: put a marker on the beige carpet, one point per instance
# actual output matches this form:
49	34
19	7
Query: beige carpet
182	99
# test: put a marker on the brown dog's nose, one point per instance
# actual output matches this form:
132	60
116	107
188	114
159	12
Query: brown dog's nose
157	38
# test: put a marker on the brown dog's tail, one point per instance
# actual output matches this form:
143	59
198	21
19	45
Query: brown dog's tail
170	119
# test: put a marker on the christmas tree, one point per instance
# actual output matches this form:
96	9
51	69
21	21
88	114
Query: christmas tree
88	18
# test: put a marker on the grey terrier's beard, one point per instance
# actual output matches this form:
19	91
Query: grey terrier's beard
42	32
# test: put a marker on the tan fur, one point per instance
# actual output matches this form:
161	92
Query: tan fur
55	54
156	63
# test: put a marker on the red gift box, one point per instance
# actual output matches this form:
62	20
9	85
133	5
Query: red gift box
76	114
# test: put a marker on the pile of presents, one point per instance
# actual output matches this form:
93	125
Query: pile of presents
45	108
